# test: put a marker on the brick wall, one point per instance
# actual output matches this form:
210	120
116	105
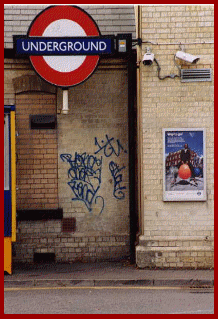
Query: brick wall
95	135
14	68
174	229
43	237
98	107
36	154
98	115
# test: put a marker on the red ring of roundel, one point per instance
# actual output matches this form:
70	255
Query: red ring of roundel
64	79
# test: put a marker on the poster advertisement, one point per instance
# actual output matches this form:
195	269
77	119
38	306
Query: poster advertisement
184	164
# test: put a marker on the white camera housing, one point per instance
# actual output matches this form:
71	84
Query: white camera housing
187	57
148	58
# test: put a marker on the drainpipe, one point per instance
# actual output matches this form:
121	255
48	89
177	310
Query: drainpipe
139	124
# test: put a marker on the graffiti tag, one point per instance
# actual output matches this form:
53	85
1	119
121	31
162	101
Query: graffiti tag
85	174
109	146
118	178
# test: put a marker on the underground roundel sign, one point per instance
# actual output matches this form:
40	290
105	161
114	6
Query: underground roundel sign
64	45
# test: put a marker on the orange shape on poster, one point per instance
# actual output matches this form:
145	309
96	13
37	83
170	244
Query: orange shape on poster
184	171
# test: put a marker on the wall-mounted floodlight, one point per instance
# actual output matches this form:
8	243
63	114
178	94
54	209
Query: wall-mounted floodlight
148	58
186	57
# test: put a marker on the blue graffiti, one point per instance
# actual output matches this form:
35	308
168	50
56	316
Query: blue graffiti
85	174
118	178
109	146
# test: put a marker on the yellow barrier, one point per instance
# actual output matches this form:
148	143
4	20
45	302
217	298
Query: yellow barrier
13	178
8	255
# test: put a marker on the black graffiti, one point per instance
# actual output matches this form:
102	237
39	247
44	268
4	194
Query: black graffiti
110	146
118	178
85	174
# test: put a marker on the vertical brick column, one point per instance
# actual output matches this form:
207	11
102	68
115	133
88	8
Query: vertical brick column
36	154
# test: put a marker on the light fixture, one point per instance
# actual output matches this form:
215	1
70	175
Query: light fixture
148	58
187	57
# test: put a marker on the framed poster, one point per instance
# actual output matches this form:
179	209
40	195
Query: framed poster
184	164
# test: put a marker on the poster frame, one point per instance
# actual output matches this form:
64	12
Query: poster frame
184	195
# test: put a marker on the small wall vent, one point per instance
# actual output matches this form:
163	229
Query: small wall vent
196	75
41	122
44	258
68	225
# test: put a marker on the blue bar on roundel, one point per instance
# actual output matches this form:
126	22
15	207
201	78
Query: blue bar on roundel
64	46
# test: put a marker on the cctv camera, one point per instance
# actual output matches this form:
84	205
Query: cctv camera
148	58
187	57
